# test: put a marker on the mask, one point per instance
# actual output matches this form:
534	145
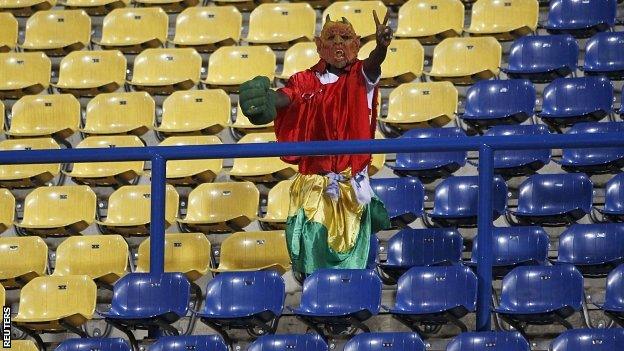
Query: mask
338	45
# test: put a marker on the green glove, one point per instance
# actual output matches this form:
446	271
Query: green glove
257	100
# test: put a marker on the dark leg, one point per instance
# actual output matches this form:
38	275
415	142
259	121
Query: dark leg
313	326
406	322
358	324
516	326
456	322
220	331
133	341
74	329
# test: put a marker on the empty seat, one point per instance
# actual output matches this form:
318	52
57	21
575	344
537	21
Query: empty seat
589	340
192	172
404	61
57	32
129	210
430	21
107	173
22	260
207	28
297	58
189	253
491	341
24	176
163	71
403	198
81	344
242	125
516	163
283	342
261	169
195	112
104	258
8	36
45	115
88	73
133	30
23	73
614	199
189	342
25	8
23	345
613	306
253	251
170	6
58	211
602	55
553	199
221	207
120	113
542	58
359	14
281	24
464	61
581	18
278	204
505	20
230	66
243	5
594	160
95	7
7	210
385	342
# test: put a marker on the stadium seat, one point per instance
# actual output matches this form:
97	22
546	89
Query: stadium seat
613	306
23	73
516	163
22	260
57	32
430	21
221	207
192	172
589	340
378	161
581	18
491	341
207	28
540	295
58	211
7	210
553	199
164	71
435	296
254	251
283	342
403	64
120	113
359	14
107	173
90	344
170	6
297	58
464	61
278	203
230	66
104	258
280	25
26	8
189	253
190	342
385	342
129	210
26	176
262	169
542	58
602	55
403	198
594	160
505	20
88	73
45	115
420	247
491	102
95	7
242	125
132	30
195	112
243	300
8	36
22	345
614	199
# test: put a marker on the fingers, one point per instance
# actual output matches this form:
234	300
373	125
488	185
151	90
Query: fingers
377	23
386	18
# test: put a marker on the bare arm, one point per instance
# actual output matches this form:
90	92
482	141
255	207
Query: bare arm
383	36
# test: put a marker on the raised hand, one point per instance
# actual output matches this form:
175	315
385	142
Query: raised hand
257	100
384	33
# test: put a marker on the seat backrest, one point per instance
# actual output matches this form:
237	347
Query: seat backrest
578	95
24	69
589	339
233	65
131	204
223	200
134	25
92	67
59	206
555	193
104	169
120	113
7	209
255	251
358	13
188	110
517	245
189	342
467	55
400	195
278	202
425	247
422	102
404	56
614	293
23	345
504	16
500	98
59	27
167	66
436	158
299	57
542	155
418	18
544	52
182	168
92	255
573	154
614	195
282	22
8	36
491	341
22	255
458	196
195	25
385	342
265	165
587	244
575	13
602	52
284	342
90	344
45	115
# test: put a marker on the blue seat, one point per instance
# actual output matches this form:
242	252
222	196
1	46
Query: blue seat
373	250
552	199
402	197
594	160
91	344
572	100
289	342
614	199
385	342
456	202
420	247
589	340
189	342
489	341
336	299
491	102
243	300
614	296
514	163
429	166
435	296
581	18
515	246
540	295
603	55
542	58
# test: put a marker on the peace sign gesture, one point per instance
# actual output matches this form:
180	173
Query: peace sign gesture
383	33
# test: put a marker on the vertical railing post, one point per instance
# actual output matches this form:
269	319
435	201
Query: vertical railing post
484	238
157	222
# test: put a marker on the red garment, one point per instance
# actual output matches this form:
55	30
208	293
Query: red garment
335	111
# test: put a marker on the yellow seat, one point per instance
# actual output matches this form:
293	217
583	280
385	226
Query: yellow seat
377	160
22	345
50	304
207	28
129	210
242	5
95	7
21	260
23	73
504	19
120	113
107	173
254	251
297	58
281	25
243	125
88	73
170	6
261	169
57	32
45	115
359	13
133	30
7	210
430	21
25	8
191	172
104	258
58	211
464	61
404	61
25	176
195	112
221	207
189	253
163	71
230	66
8	35
277	206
